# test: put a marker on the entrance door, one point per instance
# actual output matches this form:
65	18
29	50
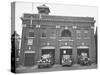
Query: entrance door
65	52
29	59
82	53
51	52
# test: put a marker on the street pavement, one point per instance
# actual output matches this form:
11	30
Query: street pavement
22	69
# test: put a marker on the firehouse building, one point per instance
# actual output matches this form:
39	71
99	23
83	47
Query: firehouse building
56	35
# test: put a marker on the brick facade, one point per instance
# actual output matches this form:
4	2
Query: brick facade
56	32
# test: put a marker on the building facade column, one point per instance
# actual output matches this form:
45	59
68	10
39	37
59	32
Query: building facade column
74	45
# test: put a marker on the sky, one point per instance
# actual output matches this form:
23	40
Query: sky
56	9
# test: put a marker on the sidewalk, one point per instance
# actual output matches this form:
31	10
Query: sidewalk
22	69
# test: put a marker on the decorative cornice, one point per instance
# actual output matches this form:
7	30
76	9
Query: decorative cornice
57	20
36	17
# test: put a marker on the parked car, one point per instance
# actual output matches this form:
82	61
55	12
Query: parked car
45	61
67	60
84	60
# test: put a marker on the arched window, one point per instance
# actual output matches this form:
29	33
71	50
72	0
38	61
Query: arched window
65	33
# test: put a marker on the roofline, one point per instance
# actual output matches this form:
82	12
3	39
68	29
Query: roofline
59	20
63	16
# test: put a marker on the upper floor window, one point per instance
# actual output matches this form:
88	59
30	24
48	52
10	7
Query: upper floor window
82	34
44	34
66	33
31	33
27	22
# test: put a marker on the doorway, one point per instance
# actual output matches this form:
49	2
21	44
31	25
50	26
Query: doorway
51	52
64	52
82	53
29	59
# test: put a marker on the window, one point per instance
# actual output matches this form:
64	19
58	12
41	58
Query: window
42	11
31	33
79	34
52	34
82	34
78	31
66	33
43	34
86	31
27	22
85	34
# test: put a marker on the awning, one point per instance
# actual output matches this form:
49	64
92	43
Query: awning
48	47
29	52
82	47
66	47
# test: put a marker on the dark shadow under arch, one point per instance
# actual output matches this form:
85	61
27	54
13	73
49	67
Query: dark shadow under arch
66	33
